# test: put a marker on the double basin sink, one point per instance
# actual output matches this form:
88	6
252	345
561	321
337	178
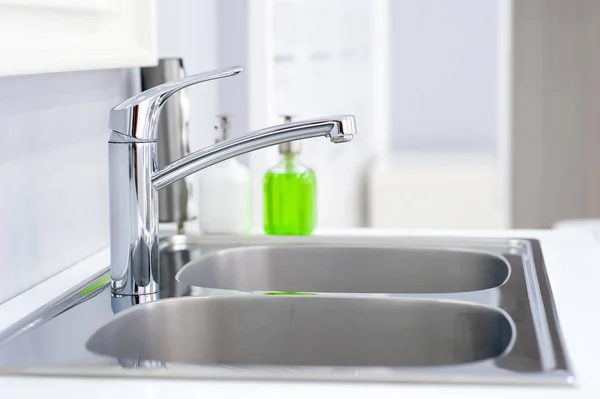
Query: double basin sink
319	308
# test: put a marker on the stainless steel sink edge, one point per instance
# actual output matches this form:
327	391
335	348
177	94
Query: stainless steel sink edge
58	305
429	375
555	337
556	365
516	245
174	371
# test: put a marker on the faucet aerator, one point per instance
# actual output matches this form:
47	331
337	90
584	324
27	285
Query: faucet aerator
342	139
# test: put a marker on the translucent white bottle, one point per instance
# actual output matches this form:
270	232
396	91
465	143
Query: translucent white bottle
225	193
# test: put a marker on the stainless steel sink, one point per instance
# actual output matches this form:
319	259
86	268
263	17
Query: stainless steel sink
345	269
395	309
306	331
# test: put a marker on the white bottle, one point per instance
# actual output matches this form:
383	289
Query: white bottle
225	193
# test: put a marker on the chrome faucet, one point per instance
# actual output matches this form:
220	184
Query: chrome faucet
134	177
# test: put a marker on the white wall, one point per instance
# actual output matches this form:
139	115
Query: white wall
442	171
444	75
188	29
53	154
440	100
53	150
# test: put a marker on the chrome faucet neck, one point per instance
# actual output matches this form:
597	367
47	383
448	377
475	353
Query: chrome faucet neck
134	177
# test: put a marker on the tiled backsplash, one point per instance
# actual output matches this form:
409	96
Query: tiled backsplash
53	172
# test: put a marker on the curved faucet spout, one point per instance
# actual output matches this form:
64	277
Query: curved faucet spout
338	128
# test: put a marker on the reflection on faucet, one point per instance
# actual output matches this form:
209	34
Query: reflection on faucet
127	363
134	177
119	303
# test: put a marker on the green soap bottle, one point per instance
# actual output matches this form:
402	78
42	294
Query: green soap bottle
290	194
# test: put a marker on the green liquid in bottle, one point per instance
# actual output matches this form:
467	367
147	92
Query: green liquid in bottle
290	190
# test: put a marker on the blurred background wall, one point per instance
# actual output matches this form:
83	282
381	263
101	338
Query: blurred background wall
472	114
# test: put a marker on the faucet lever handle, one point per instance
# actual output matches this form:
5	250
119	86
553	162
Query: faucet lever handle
137	117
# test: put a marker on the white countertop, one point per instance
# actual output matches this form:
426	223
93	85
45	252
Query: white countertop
573	263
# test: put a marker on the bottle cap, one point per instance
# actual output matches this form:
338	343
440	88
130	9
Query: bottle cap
291	146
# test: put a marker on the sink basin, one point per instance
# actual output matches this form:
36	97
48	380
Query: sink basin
346	269
392	309
306	331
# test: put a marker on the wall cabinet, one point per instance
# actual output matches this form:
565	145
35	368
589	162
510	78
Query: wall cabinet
40	36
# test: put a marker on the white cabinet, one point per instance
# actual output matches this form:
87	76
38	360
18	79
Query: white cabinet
40	36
